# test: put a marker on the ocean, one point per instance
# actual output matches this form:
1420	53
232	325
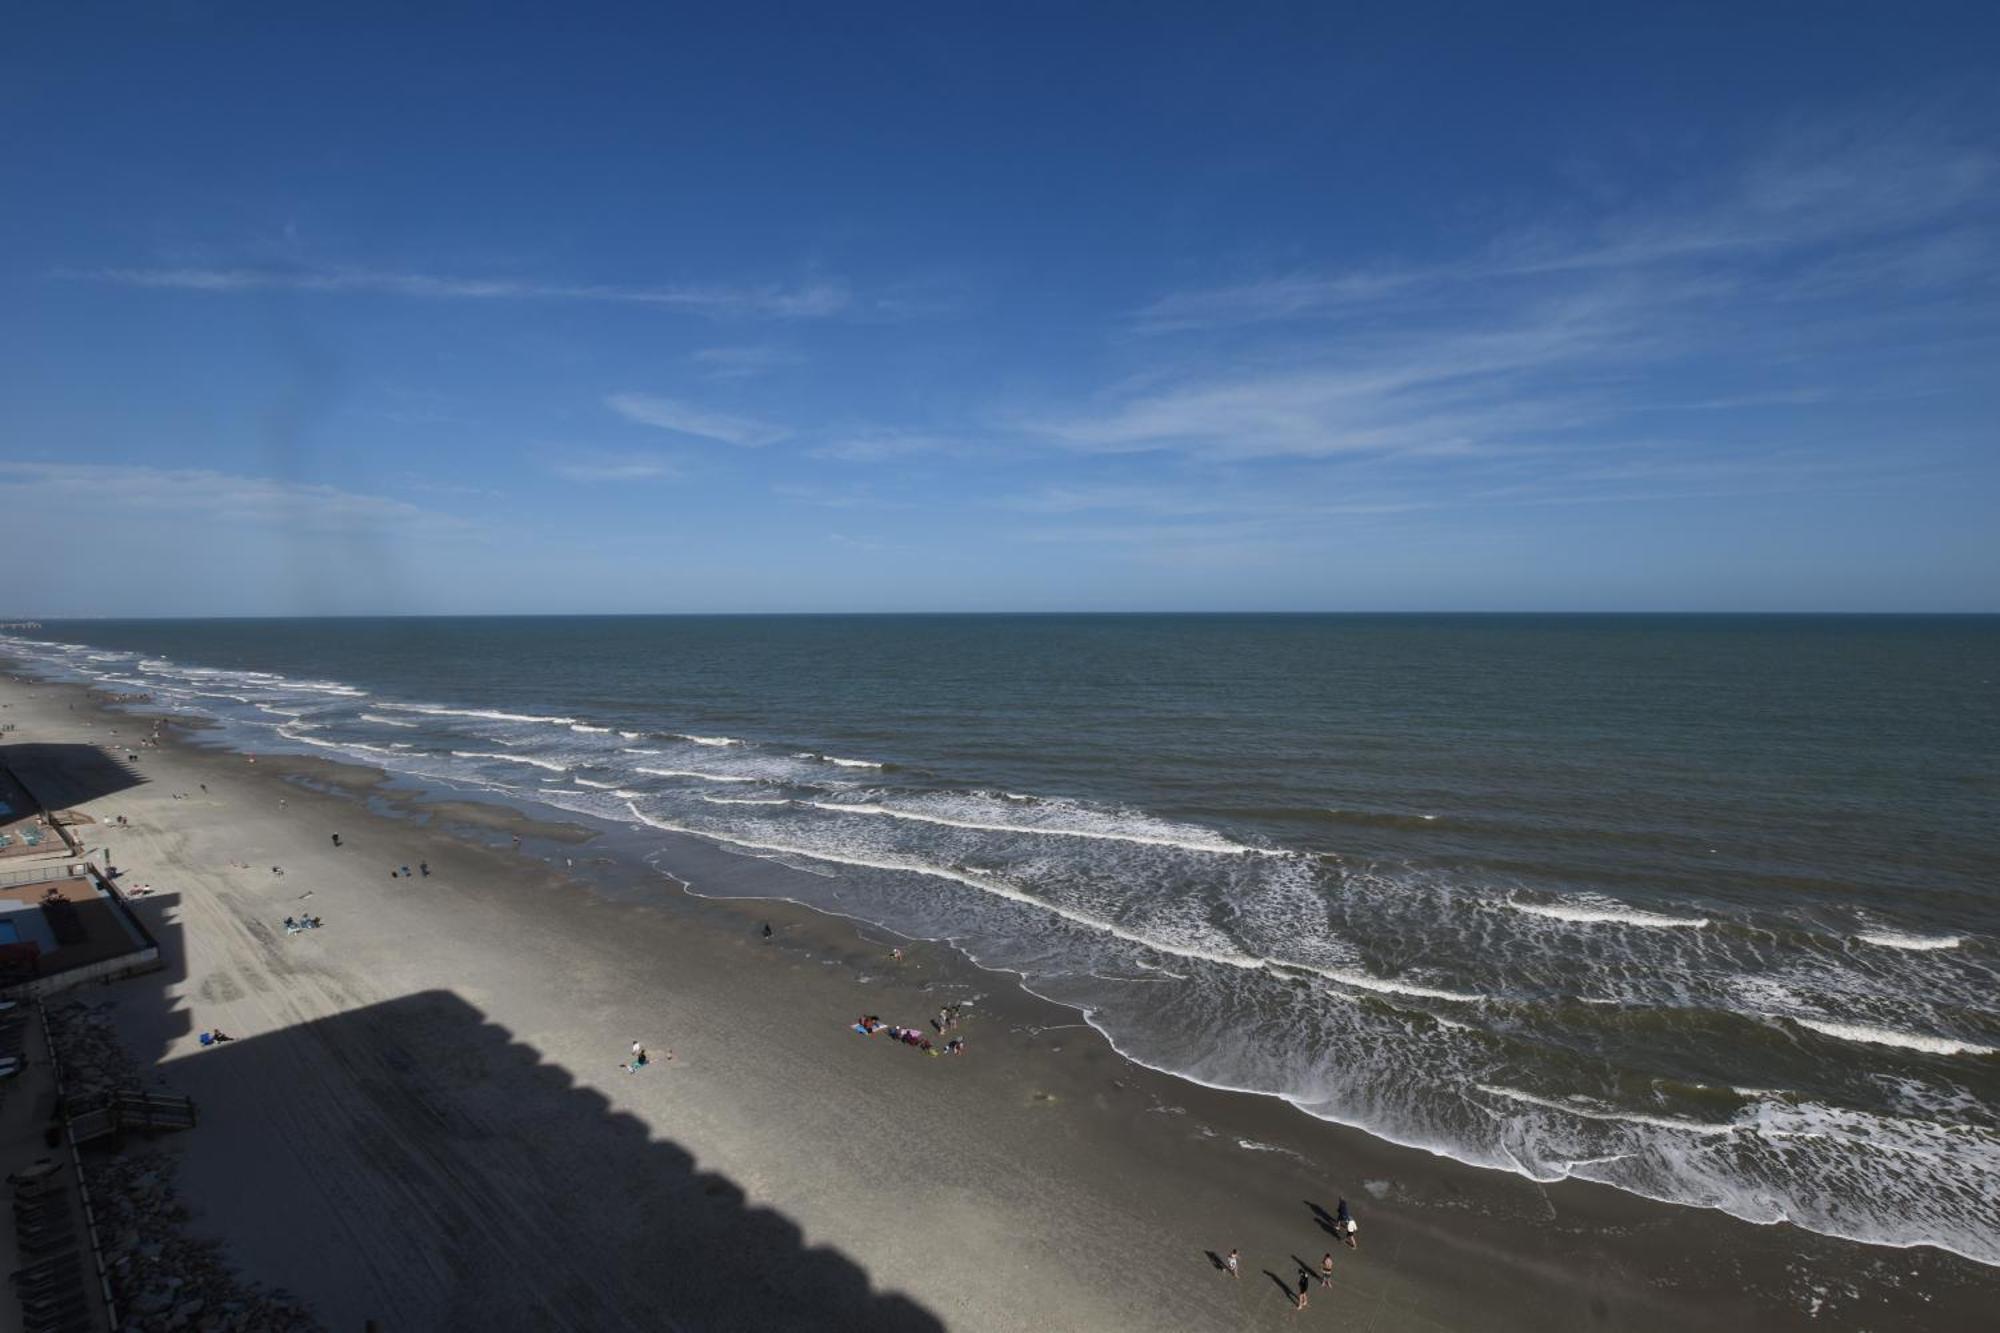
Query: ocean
1703	908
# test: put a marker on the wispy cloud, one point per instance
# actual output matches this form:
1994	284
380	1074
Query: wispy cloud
1771	286
857	496
596	466
807	301
883	446
190	495
1809	191
739	363
689	419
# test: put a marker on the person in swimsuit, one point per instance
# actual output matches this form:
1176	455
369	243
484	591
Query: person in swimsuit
1343	1222
1233	1264
1326	1269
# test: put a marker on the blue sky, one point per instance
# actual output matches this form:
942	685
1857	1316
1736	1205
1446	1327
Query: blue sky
1035	307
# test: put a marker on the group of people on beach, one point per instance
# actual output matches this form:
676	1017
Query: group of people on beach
870	1024
1341	1224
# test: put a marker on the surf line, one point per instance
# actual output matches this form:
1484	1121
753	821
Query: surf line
1214	849
1002	890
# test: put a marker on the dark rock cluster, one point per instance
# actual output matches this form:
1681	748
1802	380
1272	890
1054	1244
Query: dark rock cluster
164	1279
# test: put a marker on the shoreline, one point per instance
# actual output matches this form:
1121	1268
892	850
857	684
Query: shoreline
1083	1187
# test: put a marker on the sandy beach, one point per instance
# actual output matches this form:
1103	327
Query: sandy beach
423	1120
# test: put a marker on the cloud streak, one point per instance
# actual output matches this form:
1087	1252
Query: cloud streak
689	419
809	301
598	467
738	363
1810	191
195	494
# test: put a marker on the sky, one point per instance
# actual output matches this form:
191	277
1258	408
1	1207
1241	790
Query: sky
314	309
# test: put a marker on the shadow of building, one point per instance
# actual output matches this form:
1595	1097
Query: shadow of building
62	775
412	1164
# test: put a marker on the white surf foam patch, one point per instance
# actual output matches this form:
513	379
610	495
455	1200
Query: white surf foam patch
717	741
549	764
1896	939
1215	845
746	800
1909	1041
837	761
1349	977
586	782
1605	912
587	729
325	687
491	713
1592	1113
626	749
631	735
385	721
292	734
690	773
999	888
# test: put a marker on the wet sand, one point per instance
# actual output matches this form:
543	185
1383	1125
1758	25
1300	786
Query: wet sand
423	1120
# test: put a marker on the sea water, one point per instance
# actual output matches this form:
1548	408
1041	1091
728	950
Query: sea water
1705	908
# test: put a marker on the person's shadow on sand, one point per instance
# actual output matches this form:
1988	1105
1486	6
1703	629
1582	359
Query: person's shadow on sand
1324	1218
1283	1286
1221	1265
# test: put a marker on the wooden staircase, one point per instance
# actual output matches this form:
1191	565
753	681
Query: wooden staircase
128	1111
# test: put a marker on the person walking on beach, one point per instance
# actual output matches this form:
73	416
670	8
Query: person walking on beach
336	840
1343	1222
1326	1269
1305	1285
638	1060
1234	1264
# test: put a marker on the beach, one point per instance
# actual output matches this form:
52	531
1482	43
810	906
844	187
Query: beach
423	1121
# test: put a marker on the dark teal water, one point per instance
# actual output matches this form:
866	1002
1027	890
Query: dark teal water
1703	907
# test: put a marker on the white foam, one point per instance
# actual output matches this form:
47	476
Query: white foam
1591	1113
1607	914
586	728
294	736
549	764
1896	939
712	740
493	713
1348	977
385	721
1218	846
1001	889
586	782
326	687
832	759
1909	1041
626	749
997	888
746	800
631	735
690	773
